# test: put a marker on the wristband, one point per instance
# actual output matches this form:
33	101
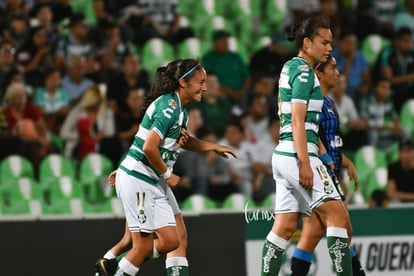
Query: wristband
325	158
167	174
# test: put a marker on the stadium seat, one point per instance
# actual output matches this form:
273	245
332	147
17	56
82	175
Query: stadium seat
237	202
54	166
268	201
93	175
85	7
407	117
198	203
64	197
14	167
275	12
371	166
372	45
236	46
155	53
191	48
22	198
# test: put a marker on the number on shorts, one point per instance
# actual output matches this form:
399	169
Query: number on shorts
323	174
140	199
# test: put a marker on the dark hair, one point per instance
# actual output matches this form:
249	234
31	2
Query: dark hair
321	66
166	78
307	28
236	122
402	32
345	32
49	71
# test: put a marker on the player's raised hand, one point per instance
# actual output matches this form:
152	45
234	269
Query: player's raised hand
182	139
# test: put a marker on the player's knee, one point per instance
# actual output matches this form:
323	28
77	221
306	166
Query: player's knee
172	244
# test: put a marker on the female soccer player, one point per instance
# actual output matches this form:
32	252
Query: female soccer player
303	185
151	157
312	229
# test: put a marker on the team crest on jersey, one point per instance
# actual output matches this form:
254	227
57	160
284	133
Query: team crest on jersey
303	67
142	217
172	103
327	187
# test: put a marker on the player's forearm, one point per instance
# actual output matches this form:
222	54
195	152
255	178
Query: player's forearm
299	140
195	144
154	158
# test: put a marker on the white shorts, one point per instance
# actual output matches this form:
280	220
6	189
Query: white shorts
146	206
291	197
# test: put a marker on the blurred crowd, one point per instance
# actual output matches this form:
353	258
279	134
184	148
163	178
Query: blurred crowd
72	80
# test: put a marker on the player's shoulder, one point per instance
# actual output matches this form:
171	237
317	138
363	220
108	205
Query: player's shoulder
168	101
296	65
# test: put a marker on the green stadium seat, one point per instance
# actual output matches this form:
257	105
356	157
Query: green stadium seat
54	166
198	203
22	198
407	117
268	201
14	167
191	48
372	45
155	53
237	202
236	46
93	175
85	7
275	13
64	197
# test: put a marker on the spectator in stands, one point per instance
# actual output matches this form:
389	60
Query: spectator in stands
256	120
298	11
104	125
17	30
44	16
353	127
61	10
240	169
34	56
352	63
396	63
26	123
405	17
7	141
378	198
268	61
232	72
74	82
150	19
195	120
329	9
400	185
378	109
7	65
109	46
10	9
131	75
52	99
74	43
215	108
127	120
264	183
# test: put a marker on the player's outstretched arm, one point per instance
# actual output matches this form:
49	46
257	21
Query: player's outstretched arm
195	144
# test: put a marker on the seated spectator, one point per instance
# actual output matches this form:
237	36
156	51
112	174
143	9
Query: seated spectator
104	125
195	120
26	123
400	185
150	19
241	173
378	199
378	109
127	120
353	64
256	120
7	65
74	43
232	72
131	76
262	153
74	81
17	30
34	56
44	15
52	99
405	17
396	63
353	127
215	108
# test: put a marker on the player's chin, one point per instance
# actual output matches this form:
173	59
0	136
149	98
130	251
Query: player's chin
197	97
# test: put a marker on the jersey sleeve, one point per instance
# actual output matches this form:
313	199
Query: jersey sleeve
163	119
302	82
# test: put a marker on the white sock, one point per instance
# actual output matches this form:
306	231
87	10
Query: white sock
109	255
276	240
127	267
155	253
176	261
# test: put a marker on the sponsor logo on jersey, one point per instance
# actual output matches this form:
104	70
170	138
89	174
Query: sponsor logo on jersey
172	103
303	67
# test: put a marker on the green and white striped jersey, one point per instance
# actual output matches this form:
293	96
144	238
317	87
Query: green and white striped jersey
298	83
165	116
